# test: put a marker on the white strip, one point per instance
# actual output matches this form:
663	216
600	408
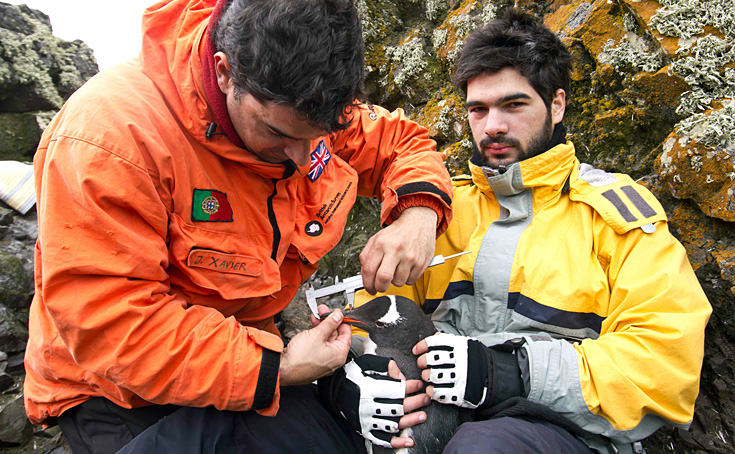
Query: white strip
392	317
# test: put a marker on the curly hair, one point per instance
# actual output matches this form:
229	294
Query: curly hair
307	54
518	40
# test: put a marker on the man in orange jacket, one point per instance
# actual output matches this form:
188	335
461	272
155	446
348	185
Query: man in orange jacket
184	196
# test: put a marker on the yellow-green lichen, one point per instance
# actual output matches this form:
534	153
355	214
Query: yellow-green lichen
408	59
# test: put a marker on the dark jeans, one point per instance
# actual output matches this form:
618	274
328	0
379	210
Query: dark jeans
516	435
302	425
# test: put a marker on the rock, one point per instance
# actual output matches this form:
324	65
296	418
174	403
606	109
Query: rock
37	73
6	382
704	174
15	429
20	133
13	330
16	284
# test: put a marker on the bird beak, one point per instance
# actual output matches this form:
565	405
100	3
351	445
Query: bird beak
348	320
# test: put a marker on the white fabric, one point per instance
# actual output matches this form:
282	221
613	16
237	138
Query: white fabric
596	177
455	375
16	185
373	414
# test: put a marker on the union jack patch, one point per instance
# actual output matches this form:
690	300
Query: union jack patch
319	159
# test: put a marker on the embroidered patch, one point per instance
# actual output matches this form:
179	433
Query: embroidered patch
319	159
225	263
314	228
210	205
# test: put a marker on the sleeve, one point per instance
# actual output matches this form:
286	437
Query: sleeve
395	159
103	242
643	370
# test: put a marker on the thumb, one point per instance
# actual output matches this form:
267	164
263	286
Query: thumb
329	324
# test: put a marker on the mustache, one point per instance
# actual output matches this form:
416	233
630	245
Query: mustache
500	140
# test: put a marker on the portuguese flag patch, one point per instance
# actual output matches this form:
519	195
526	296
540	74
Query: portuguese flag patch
210	205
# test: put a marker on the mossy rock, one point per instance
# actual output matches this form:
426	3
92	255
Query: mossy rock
16	284
20	133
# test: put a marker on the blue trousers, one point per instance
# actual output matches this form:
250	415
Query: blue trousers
516	435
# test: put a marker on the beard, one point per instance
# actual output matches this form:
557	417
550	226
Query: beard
536	145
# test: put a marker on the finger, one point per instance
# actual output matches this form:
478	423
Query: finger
413	403
401	442
426	375
430	391
412	419
421	362
394	371
414	386
343	334
321	310
385	273
329	324
420	348
418	269
369	263
402	272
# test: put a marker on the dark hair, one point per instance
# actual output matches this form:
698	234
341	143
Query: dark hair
307	54
519	40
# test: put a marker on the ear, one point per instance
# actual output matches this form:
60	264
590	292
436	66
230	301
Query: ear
558	106
222	69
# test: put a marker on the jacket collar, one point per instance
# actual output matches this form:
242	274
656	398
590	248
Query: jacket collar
546	174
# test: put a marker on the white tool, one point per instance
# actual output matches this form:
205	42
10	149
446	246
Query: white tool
351	284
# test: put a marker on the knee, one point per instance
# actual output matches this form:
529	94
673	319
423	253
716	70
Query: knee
486	437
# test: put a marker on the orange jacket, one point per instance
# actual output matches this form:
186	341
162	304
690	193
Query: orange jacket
163	254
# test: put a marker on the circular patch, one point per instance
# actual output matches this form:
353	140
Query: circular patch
314	228
373	116
210	205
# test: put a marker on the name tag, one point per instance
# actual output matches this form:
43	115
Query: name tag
225	263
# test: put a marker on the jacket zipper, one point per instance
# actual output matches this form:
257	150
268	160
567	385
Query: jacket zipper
289	170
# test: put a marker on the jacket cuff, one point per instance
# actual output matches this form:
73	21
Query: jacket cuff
420	200
504	376
267	379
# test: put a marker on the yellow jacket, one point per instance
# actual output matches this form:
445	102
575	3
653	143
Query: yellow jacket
580	263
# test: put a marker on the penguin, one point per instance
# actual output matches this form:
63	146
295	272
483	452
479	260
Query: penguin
394	325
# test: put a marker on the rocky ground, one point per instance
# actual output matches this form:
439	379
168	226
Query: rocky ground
652	96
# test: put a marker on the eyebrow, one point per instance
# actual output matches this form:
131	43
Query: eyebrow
280	133
504	99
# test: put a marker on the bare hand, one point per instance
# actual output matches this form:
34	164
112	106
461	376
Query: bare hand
317	352
399	253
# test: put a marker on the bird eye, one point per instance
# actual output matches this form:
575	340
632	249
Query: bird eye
379	324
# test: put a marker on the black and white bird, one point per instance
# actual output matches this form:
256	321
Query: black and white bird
394	325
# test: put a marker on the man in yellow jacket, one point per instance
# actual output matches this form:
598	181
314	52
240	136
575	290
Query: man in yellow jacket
184	196
576	322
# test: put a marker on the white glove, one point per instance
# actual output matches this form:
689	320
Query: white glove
458	368
370	400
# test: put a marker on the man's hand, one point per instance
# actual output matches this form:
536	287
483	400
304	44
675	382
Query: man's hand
317	352
456	367
370	392
399	253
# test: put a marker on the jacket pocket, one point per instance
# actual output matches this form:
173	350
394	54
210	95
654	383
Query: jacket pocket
233	266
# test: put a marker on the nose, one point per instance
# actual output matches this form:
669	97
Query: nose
495	123
297	151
